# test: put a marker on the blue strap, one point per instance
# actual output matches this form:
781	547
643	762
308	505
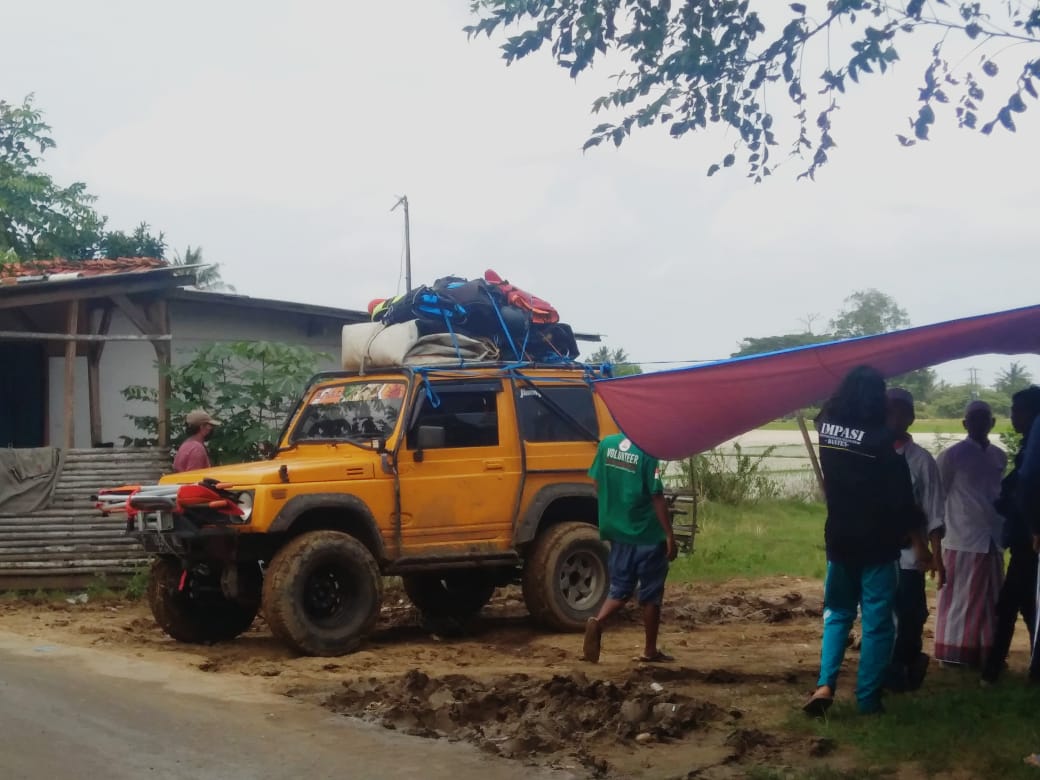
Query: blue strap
502	322
454	339
431	396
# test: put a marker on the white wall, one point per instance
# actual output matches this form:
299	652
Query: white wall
125	363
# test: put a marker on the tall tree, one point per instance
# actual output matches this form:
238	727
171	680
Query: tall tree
1012	379
618	358
39	218
733	62
868	312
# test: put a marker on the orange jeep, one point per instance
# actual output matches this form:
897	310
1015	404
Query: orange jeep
457	480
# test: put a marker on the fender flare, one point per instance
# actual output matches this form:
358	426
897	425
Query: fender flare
527	528
352	505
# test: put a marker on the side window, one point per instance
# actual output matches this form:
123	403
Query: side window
557	414
469	419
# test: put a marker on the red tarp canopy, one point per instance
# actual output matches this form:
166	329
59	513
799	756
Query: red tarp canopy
673	414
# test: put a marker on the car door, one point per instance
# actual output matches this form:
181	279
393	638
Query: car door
459	493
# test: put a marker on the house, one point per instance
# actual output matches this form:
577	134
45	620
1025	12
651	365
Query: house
73	335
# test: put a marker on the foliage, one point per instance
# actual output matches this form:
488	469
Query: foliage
617	358
1010	442
99	587
729	478
733	62
868	312
752	345
950	401
764	539
207	278
140	243
39	218
1012	379
865	313
250	386
137	585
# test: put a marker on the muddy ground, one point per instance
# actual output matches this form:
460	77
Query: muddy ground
746	654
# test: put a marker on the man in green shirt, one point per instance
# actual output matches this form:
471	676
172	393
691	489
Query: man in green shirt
634	518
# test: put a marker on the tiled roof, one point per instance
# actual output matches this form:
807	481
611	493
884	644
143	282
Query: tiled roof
40	270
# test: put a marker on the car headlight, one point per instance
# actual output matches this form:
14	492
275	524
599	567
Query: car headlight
245	503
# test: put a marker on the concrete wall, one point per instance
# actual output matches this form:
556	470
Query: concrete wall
193	324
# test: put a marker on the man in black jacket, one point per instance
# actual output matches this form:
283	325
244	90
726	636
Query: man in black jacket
871	514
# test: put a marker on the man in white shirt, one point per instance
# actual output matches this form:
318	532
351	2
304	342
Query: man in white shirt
971	471
907	669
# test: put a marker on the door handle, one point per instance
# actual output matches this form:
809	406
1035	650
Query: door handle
493	465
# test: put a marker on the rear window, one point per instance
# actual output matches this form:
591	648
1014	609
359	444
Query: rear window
557	414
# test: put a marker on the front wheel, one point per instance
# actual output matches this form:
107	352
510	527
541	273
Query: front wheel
322	593
190	609
565	579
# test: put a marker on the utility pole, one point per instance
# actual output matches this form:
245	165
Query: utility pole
974	373
407	243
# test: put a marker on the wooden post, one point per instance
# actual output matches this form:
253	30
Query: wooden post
94	351
71	326
163	353
812	450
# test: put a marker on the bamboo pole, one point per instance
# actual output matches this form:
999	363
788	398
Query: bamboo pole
812	450
71	326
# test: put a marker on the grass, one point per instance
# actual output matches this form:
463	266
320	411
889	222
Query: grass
819	773
923	425
762	539
952	725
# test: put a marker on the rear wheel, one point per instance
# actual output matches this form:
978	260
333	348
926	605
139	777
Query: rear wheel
448	600
190	606
322	593
565	578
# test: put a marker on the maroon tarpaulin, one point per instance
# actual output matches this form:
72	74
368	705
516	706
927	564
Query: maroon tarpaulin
673	414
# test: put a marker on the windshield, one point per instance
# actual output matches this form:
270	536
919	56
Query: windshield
355	411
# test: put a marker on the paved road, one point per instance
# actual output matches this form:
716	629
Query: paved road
81	713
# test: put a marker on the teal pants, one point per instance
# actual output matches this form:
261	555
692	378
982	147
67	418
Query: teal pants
873	589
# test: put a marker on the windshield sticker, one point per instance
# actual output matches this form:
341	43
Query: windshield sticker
328	395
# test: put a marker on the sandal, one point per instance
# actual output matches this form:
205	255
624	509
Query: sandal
659	657
817	706
593	638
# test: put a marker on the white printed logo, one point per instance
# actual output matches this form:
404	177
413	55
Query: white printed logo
624	445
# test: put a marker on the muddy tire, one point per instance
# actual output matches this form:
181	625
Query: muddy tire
194	614
447	601
565	578
322	593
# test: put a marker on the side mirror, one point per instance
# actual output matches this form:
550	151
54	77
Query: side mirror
429	437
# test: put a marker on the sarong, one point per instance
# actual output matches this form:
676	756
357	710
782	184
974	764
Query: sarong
966	617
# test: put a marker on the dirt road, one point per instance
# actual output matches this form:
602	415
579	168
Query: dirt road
512	695
74	712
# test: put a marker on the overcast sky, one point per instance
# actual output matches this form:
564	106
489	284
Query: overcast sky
277	135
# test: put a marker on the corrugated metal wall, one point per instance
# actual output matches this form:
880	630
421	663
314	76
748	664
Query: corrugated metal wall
67	544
